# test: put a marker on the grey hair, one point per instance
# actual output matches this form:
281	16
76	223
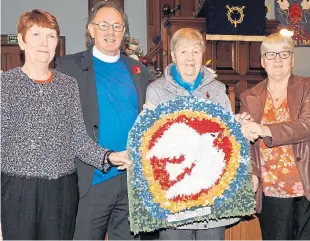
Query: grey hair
275	39
92	14
187	34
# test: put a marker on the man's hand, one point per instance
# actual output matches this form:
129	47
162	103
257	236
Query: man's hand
120	159
255	183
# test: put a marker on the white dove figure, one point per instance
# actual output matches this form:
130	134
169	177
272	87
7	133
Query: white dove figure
180	139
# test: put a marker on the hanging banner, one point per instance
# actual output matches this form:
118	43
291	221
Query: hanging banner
294	15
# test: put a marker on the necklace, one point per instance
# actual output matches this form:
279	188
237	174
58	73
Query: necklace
278	98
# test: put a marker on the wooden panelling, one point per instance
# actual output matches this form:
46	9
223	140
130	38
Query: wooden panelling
10	57
254	58
155	16
244	230
196	4
187	8
225	58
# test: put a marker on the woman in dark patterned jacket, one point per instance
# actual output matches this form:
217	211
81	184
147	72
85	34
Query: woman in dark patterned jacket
42	131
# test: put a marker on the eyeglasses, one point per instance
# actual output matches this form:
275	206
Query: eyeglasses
273	55
104	26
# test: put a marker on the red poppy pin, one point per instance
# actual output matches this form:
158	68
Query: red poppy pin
207	95
136	69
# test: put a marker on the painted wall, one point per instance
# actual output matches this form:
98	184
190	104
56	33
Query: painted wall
136	12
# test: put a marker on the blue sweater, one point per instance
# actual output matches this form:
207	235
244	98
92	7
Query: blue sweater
118	109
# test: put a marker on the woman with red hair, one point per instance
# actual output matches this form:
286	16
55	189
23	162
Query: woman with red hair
42	132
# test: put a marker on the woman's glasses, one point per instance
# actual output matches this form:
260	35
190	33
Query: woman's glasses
273	55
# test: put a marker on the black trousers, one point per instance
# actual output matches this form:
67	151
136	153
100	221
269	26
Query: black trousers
285	218
104	209
35	208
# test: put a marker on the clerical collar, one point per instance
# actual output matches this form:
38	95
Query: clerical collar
178	79
105	58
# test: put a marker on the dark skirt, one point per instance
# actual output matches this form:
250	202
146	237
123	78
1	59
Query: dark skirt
37	208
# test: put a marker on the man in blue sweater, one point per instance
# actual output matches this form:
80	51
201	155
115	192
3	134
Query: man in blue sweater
112	90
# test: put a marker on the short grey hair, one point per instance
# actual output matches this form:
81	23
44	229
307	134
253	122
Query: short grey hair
275	39
92	14
187	34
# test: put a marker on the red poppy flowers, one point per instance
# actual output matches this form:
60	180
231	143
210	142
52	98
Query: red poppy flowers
136	69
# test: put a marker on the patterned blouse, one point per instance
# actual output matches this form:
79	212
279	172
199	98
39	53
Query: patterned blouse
280	175
42	127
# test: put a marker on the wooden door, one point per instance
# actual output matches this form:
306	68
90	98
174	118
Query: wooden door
12	56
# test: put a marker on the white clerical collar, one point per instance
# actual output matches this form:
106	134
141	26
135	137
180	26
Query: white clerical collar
105	58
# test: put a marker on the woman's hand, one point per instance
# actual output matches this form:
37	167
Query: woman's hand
243	118
149	105
253	130
120	159
255	183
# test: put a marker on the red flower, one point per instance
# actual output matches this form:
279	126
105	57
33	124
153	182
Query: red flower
207	95
136	69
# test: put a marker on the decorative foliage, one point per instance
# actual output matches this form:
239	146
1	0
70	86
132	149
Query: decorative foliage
190	163
132	48
154	73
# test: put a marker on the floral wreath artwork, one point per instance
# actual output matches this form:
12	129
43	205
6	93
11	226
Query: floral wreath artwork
191	163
